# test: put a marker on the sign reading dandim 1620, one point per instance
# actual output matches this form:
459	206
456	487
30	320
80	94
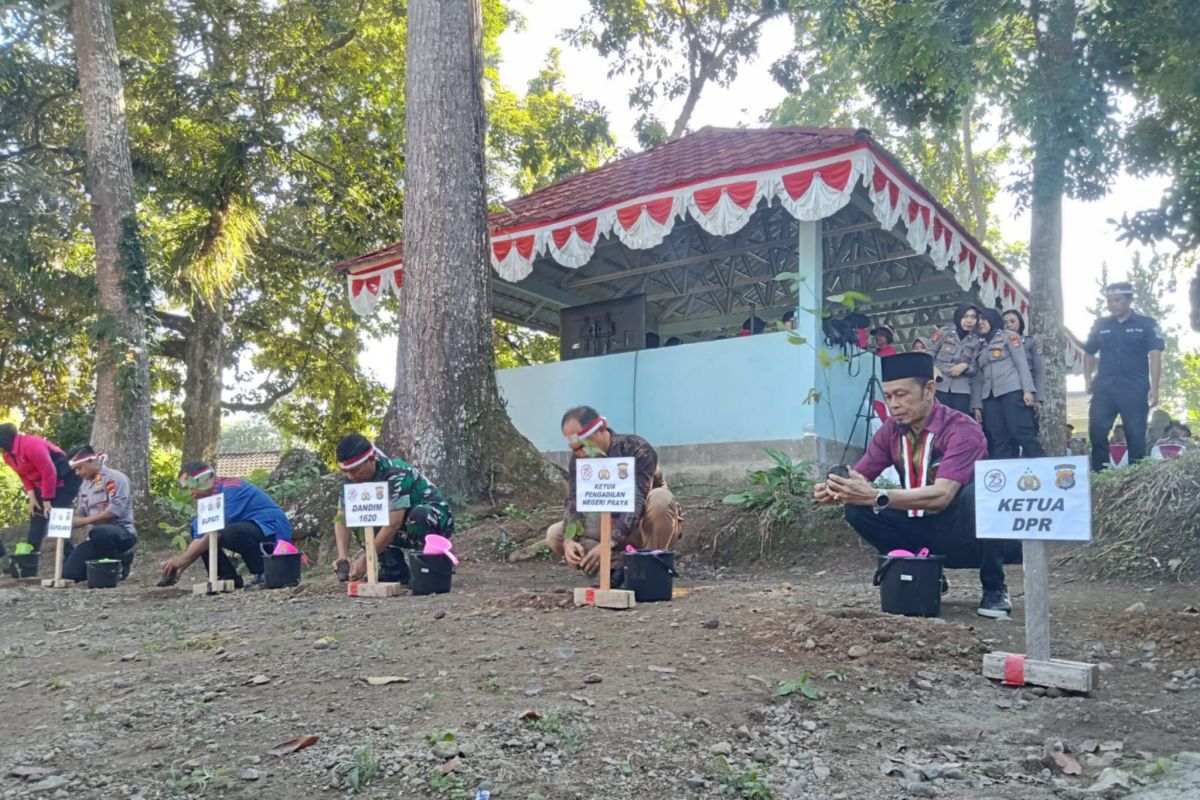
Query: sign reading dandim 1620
1033	498
605	484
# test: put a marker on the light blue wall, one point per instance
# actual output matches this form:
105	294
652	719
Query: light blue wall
744	389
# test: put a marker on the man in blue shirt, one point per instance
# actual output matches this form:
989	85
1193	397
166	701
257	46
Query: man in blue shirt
252	519
1130	346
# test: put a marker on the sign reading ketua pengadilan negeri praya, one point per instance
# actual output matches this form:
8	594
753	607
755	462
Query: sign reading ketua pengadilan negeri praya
1047	499
605	484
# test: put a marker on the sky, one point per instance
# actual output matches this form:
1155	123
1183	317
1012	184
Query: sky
1088	239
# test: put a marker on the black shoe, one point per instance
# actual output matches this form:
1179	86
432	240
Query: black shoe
995	603
615	582
945	584
126	563
256	582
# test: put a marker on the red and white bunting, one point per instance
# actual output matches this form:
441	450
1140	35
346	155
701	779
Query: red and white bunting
811	188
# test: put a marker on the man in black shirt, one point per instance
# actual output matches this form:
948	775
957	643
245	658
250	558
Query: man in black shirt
1130	347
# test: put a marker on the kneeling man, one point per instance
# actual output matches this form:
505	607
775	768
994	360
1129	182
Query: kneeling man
656	521
105	507
252	521
415	508
934	449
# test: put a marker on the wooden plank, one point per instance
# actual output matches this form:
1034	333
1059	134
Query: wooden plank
212	557
58	563
600	598
1073	676
56	583
213	587
1037	600
364	589
605	551
372	556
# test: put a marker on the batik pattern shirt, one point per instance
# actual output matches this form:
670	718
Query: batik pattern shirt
647	476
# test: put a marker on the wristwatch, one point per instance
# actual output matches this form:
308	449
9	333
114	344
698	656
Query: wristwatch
881	501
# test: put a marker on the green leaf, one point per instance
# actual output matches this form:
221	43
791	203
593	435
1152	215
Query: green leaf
793	277
574	530
788	688
779	457
849	298
823	357
795	338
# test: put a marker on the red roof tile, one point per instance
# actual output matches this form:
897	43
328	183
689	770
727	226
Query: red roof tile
708	152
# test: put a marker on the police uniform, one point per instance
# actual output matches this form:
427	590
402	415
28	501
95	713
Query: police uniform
1122	382
1002	377
108	491
950	349
1037	365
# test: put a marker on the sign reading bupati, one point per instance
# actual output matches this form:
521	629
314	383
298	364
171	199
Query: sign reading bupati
60	523
210	512
366	504
1046	499
605	484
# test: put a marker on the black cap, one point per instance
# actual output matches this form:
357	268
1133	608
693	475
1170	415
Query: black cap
907	365
1120	287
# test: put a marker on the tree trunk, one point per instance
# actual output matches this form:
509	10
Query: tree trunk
205	355
974	190
446	415
1056	58
122	422
689	106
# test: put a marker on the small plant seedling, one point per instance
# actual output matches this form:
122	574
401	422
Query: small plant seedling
788	688
835	675
433	737
748	784
57	682
355	772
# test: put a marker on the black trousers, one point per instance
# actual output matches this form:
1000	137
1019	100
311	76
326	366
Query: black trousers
950	534
959	402
1109	400
245	539
63	498
104	541
1011	427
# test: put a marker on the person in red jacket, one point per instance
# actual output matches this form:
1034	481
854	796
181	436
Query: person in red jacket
46	475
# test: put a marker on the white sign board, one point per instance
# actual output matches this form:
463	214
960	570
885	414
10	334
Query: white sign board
60	523
1047	499
210	513
605	484
366	504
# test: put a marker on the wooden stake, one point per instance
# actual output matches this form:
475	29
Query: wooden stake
213	585
605	551
1037	601
57	582
372	556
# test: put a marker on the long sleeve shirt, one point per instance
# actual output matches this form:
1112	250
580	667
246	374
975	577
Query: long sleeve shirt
33	459
245	502
647	475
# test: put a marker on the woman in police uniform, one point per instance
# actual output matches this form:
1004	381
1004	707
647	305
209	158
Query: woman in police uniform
953	349
1014	322
1002	392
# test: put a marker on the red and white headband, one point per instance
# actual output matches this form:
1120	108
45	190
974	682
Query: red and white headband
354	462
83	459
599	424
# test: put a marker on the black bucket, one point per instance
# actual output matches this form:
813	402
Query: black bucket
430	574
281	570
25	566
650	574
103	574
910	585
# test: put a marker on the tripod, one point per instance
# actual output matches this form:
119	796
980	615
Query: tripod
866	408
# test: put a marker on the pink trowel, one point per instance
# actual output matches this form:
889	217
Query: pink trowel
439	546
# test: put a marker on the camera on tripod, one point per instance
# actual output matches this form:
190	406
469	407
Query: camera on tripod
846	332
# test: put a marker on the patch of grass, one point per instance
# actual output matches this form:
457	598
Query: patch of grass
748	782
493	686
93	714
552	722
57	682
354	773
194	782
514	512
835	675
490	657
450	785
788	688
504	545
1158	768
433	737
201	643
429	698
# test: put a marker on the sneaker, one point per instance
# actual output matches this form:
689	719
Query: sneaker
995	603
255	582
945	584
126	563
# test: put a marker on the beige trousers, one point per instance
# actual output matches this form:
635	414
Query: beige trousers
661	526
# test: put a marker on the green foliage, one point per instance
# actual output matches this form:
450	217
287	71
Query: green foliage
780	495
806	690
295	485
450	785
248	435
553	723
748	783
517	346
1189	386
14	507
504	545
357	771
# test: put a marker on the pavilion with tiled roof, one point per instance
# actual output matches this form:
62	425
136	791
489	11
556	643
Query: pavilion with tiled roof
701	226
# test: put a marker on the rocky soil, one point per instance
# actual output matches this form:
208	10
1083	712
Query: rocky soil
780	684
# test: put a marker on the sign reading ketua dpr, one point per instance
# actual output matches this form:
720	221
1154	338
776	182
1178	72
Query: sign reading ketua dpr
1047	499
366	504
605	484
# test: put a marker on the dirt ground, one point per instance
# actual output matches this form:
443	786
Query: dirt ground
144	692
